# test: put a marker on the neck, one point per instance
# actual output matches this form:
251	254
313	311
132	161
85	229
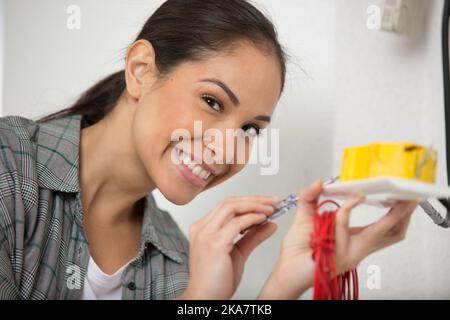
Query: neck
112	177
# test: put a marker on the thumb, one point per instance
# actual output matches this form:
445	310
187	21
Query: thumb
307	202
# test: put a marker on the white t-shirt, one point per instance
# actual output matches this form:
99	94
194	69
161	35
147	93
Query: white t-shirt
101	286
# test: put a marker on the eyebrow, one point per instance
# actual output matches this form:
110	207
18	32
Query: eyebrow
225	88
232	96
263	118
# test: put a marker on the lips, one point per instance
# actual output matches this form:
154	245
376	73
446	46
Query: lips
197	174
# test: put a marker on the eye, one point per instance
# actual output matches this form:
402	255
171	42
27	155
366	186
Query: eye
213	103
251	130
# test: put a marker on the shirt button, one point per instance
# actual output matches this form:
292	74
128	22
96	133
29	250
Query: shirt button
132	286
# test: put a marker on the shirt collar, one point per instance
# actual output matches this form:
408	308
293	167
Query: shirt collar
161	230
58	154
58	150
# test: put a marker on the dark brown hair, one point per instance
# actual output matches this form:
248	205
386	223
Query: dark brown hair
180	31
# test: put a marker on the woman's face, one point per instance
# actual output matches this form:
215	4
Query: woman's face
238	89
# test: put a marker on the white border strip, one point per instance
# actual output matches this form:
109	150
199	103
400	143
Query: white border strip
2	50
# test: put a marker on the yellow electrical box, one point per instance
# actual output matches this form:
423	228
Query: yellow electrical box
401	160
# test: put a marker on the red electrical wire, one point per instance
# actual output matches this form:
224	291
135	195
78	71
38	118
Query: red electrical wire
328	285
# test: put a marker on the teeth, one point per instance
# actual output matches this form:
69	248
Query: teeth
203	175
195	169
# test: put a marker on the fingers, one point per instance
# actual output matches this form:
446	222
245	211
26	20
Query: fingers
236	225
308	198
398	231
358	243
343	214
261	199
254	238
403	227
357	230
395	214
342	225
215	263
236	206
250	211
389	230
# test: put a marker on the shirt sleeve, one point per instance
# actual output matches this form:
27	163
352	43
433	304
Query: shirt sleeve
8	288
12	213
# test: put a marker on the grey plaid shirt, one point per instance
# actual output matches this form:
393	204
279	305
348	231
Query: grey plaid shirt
44	253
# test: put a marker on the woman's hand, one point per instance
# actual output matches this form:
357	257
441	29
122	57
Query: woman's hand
216	263
293	273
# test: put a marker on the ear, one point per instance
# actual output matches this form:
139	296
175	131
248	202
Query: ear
140	67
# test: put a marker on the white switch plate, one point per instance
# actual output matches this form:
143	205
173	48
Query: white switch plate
385	191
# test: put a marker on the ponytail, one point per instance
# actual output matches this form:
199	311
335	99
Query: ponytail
96	102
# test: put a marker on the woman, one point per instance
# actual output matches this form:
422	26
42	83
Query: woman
78	220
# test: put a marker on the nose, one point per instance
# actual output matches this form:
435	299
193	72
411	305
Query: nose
210	145
214	151
225	152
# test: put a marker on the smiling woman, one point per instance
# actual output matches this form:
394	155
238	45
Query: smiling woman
77	217
99	160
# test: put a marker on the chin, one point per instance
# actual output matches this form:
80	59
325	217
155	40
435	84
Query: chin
177	197
174	191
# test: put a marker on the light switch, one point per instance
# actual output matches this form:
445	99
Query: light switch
392	13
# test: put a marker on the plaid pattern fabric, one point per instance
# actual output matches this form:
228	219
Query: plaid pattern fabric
44	253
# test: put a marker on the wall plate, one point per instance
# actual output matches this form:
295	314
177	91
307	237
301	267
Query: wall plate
386	191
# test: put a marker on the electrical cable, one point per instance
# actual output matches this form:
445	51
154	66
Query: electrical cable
426	205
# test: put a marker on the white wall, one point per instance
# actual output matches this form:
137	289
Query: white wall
361	85
2	32
389	87
48	65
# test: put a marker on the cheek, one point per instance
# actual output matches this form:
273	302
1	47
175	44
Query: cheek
152	130
233	170
143	140
151	136
240	153
157	118
236	168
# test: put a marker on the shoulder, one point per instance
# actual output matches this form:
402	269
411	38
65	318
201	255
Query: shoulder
17	136
17	155
17	151
18	185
